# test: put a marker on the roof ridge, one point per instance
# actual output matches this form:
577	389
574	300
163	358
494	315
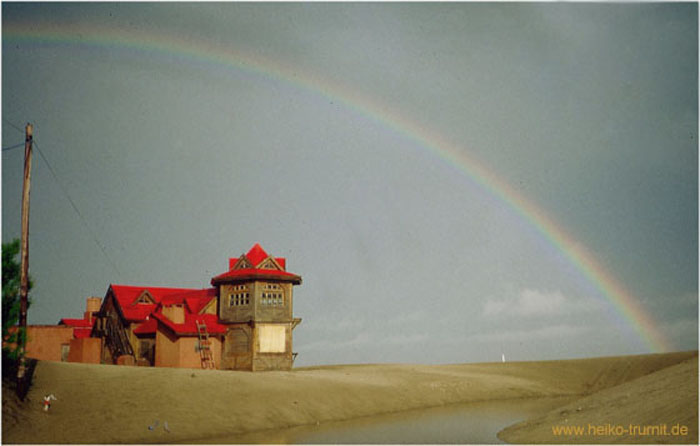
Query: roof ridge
256	254
147	287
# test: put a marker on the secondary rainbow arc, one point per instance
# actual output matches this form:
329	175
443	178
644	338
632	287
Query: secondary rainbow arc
627	305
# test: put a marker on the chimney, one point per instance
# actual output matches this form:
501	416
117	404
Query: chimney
175	313
93	306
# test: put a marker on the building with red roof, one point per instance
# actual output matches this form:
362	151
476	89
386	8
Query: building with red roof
69	340
243	322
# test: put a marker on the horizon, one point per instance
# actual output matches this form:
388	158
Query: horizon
515	179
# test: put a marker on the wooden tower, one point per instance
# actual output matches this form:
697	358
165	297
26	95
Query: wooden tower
255	303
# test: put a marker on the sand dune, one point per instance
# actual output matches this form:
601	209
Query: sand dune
116	404
633	412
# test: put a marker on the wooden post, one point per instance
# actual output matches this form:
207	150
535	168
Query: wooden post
24	272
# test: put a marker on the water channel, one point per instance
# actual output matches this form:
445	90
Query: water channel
455	424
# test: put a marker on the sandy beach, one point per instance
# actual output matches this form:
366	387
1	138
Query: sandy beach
117	404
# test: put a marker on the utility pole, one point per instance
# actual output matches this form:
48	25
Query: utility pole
24	256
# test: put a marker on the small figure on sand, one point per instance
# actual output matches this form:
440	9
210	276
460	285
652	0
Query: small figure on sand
155	425
47	401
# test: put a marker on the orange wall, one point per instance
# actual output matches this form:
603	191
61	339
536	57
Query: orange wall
44	341
86	350
179	352
167	350
188	357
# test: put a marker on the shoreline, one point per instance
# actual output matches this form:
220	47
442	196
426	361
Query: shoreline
116	404
459	423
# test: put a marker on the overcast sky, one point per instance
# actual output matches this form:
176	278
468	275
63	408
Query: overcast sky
178	161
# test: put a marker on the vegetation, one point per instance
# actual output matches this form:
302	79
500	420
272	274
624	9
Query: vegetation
11	299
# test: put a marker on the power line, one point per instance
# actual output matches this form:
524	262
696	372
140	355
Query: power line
13	126
16	128
13	147
65	192
75	208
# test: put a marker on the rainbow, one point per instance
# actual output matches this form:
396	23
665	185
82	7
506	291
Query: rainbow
170	45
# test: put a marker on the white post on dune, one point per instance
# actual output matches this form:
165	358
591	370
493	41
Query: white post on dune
503	357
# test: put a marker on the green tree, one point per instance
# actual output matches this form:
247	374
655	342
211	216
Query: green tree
10	295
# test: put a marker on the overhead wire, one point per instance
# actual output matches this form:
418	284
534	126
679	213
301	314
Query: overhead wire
75	208
13	126
70	200
21	144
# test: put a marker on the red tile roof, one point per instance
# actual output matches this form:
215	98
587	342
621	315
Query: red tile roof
256	273
81	327
78	323
256	255
127	295
148	327
189	327
137	313
82	332
194	301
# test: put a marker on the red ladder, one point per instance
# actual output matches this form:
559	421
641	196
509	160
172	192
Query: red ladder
204	346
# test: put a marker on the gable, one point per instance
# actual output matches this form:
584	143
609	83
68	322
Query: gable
255	264
210	307
111	306
145	298
270	263
242	263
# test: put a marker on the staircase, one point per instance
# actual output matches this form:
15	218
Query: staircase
204	346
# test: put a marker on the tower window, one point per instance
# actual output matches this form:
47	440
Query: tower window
239	299
275	299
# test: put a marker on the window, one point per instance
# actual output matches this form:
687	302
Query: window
238	299
65	350
274	299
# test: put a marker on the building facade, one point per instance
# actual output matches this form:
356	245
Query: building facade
68	341
255	306
243	322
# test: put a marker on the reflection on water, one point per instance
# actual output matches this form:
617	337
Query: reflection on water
461	423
